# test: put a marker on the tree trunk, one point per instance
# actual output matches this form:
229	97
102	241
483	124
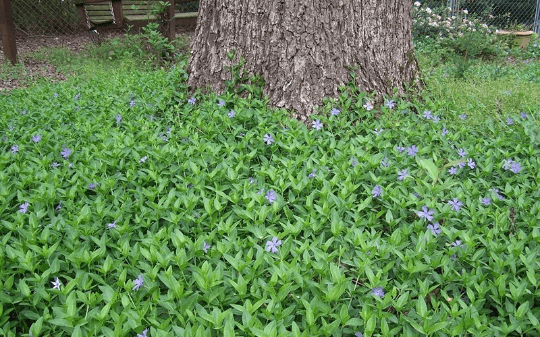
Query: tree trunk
304	49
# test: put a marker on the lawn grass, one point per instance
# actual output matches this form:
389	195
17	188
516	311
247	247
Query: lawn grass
129	204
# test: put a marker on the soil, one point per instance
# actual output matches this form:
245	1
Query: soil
33	68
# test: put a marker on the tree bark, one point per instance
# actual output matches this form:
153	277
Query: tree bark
304	48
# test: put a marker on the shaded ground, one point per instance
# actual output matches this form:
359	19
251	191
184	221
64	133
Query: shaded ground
30	69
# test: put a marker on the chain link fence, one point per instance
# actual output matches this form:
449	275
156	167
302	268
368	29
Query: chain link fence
498	13
59	17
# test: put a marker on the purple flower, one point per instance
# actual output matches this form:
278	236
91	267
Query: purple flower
509	121
402	174
400	149
36	138
471	163
457	243
56	284
76	97
14	149
251	180
378	132
59	207
55	165
143	334
412	150
496	191
231	114
435	228
138	282
515	167
377	190
444	132
425	213
384	162
143	159
317	124
169	131
221	103
427	114
390	104
271	196
378	291
23	208
334	112
272	246
523	115
455	204
70	165
486	201
66	152
132	103
151	118
312	174
436	119
205	247
368	106
463	116
268	139
452	170
112	225
118	119
462	153
461	165
192	100
358	334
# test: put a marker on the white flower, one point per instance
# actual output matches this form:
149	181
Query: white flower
417	4
428	10
465	11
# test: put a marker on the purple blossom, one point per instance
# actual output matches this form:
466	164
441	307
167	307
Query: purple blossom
436	119
143	159
509	121
112	225
55	165
70	165
144	333
384	162
471	163
334	112
221	103
354	161
151	118
169	130
523	115
192	100
138	282
76	97
377	190
231	113
36	138
14	149
92	186
461	164
272	246
425	213
261	191
55	95
412	150
390	104
452	170
486	201
368	106
427	114
455	204
496	191
462	153
403	111
378	291
23	208
205	247
402	174
118	118
444	132
59	207
400	149
11	127
132	103
317	124
312	174
271	196
378	132
457	243
463	116
515	167
65	152
435	228
358	334
251	180
268	139
56	284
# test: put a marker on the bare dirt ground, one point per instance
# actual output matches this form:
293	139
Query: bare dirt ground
30	68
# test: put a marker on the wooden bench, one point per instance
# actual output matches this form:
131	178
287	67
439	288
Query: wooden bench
137	13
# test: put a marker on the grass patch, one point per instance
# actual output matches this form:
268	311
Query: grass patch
128	205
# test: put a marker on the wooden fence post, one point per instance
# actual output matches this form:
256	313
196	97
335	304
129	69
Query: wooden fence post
7	30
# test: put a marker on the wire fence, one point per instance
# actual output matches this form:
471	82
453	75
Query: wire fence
523	14
59	17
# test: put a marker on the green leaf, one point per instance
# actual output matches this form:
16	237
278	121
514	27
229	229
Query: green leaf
431	168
